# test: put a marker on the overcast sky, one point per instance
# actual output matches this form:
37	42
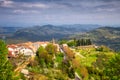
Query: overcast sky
39	12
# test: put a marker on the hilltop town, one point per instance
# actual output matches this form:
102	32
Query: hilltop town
28	48
64	60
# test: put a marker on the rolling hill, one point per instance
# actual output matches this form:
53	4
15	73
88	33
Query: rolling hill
47	32
109	36
8	31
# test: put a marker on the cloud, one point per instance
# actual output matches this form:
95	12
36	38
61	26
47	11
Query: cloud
34	5
6	3
110	0
61	6
13	4
60	11
14	7
108	10
20	11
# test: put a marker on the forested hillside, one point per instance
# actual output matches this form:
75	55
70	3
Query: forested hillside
109	36
47	32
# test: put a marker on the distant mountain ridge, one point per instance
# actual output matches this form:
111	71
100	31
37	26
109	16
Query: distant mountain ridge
8	30
47	32
109	36
82	27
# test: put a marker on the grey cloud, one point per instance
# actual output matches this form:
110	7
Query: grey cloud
6	3
12	4
16	8
110	0
54	9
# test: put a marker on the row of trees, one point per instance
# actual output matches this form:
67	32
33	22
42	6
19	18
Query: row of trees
83	42
79	42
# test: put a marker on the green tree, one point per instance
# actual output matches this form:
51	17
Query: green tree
6	69
51	49
42	56
71	73
62	41
71	43
78	43
88	42
82	41
112	68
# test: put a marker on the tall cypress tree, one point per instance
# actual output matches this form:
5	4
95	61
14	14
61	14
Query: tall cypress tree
78	43
89	42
